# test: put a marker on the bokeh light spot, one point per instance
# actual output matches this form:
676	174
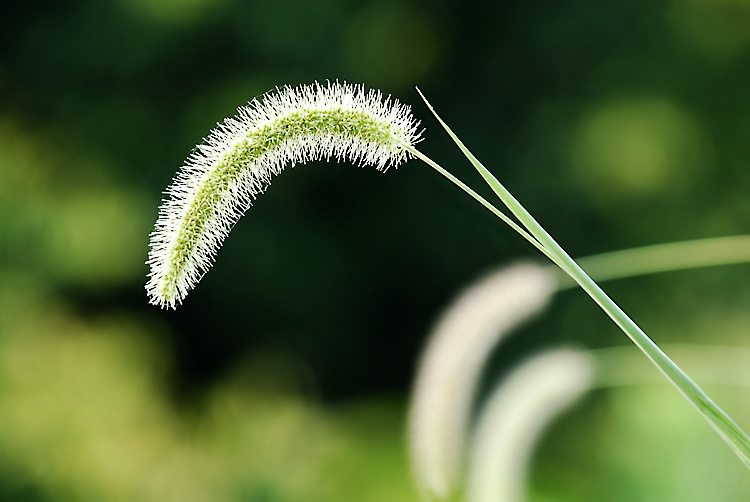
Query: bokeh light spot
719	27
95	238
634	147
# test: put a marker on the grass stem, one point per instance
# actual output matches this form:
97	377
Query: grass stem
721	422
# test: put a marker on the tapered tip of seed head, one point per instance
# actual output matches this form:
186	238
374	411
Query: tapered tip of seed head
238	159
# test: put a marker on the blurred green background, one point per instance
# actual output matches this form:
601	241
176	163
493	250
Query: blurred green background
285	375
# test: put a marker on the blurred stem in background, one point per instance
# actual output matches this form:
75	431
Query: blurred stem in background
664	258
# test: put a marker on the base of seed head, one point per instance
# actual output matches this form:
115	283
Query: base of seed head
240	157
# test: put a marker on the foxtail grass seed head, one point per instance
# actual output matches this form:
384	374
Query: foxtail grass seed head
451	365
238	159
515	416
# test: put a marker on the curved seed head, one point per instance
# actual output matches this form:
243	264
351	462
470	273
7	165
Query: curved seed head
519	409
450	369
238	159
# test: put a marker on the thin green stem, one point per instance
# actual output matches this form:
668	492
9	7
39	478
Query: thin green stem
735	437
424	158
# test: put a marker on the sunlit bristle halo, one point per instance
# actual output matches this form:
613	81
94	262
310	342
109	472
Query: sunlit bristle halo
238	159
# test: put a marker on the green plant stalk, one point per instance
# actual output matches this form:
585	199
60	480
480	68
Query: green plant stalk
664	258
732	434
512	224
